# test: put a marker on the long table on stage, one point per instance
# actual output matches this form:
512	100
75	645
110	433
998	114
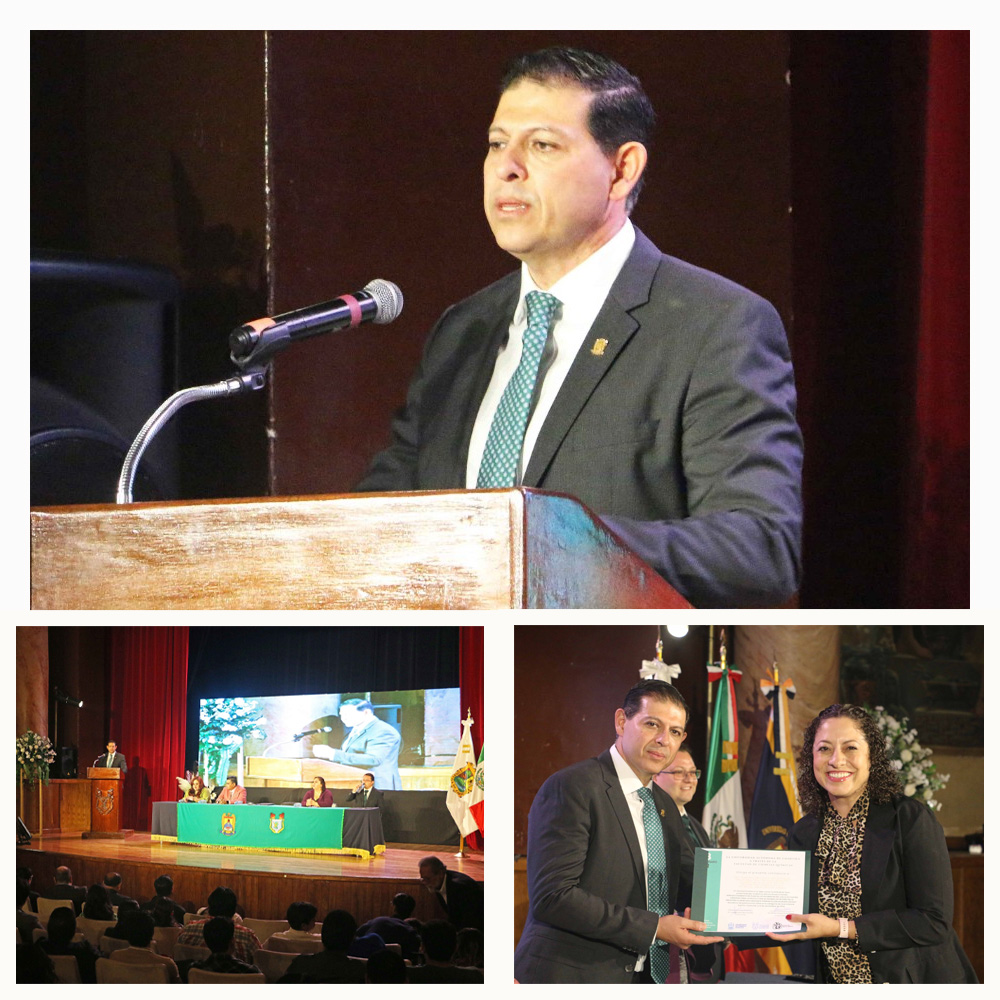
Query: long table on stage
294	829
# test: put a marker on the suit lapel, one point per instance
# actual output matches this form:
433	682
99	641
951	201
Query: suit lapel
623	814
616	326
880	830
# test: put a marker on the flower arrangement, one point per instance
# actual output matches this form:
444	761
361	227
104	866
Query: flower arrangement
34	754
917	772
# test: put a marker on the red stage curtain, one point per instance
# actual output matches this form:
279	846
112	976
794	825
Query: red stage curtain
936	560
148	712
470	672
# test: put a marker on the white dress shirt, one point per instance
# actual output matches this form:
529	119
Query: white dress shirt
582	293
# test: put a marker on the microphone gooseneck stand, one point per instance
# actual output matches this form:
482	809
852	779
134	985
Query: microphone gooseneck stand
247	381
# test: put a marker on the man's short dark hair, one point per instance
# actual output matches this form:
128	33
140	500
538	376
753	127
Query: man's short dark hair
386	966
61	926
403	905
112	880
658	690
137	926
299	914
368	774
219	934
685	747
24	872
164	885
439	938
435	864
339	928
620	111
222	902
361	704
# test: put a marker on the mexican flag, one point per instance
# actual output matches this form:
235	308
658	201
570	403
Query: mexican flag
479	793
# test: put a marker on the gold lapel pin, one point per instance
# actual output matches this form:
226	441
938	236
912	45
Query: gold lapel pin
598	349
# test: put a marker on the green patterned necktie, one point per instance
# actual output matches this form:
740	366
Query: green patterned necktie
498	468
656	882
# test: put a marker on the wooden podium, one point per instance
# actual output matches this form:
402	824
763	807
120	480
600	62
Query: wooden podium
458	549
294	772
105	802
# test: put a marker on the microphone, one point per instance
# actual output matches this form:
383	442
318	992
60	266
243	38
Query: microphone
309	732
379	301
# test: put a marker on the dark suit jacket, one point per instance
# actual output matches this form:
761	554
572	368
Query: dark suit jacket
376	797
119	761
465	900
376	749
907	897
587	919
76	893
681	435
324	967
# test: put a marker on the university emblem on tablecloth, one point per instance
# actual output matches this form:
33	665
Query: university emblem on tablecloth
277	822
228	824
105	801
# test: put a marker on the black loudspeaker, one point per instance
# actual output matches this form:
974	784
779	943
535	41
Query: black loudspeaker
23	837
64	766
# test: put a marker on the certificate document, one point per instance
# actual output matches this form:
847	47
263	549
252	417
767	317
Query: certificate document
742	892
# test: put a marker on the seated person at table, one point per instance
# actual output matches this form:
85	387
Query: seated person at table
331	965
27	922
301	917
97	905
197	792
219	934
366	795
60	932
139	934
164	886
318	795
231	794
64	889
222	903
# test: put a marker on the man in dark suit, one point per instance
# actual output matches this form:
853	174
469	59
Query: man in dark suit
605	846
112	758
438	941
394	929
664	396
460	896
680	781
370	742
366	794
64	889
163	886
331	965
113	883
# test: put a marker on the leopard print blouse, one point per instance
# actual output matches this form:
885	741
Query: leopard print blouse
838	854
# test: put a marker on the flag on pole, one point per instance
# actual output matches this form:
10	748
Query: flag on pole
722	817
478	805
776	809
462	781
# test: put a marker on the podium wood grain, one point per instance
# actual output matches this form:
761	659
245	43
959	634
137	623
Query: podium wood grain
456	549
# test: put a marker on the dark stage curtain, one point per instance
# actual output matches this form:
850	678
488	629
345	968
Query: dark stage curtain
471	684
149	668
936	563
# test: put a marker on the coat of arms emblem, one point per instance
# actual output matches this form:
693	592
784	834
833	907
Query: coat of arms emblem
105	801
228	824
277	822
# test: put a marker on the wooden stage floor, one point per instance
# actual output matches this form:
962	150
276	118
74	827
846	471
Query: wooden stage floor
265	882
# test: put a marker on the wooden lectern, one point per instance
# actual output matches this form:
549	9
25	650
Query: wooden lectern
105	802
460	549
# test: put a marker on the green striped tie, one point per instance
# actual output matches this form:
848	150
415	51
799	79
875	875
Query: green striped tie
656	882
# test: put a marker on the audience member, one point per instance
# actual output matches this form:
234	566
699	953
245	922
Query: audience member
385	967
27	923
438	944
138	926
125	907
97	905
64	889
219	933
33	965
59	932
26	875
396	929
460	896
468	949
301	917
113	883
164	886
364	945
222	903
331	965
164	913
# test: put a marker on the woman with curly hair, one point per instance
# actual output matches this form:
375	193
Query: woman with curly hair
881	890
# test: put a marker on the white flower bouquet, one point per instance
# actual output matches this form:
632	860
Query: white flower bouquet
917	772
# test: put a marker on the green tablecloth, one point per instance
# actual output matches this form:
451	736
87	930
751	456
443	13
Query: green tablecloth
261	828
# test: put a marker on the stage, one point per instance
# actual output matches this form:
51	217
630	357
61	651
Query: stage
265	882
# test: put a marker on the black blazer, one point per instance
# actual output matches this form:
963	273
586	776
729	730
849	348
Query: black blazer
587	919
376	797
907	897
679	431
119	761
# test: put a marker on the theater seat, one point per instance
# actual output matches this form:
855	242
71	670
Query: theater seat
201	976
110	971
